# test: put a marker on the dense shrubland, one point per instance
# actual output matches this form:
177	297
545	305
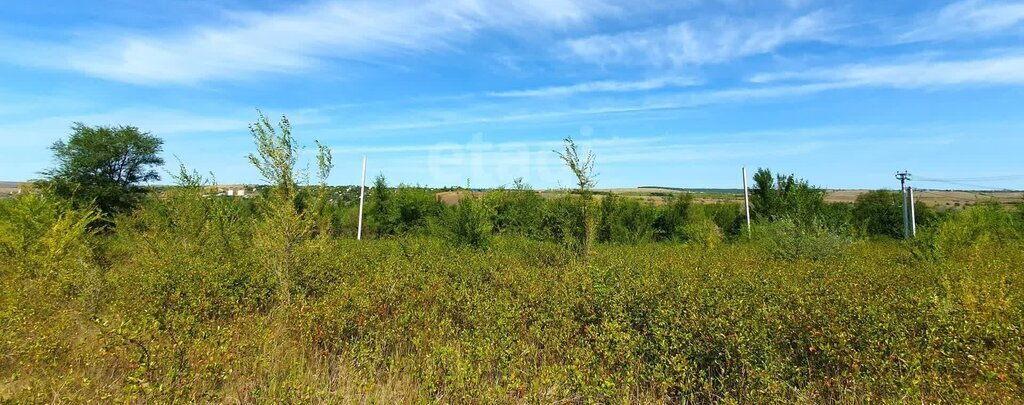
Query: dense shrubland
201	298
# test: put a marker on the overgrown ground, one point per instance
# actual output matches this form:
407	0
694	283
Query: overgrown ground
196	298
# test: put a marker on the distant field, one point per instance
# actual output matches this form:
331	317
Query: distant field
8	188
941	198
657	195
937	198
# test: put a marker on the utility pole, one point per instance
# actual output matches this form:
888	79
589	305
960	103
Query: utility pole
362	191
746	198
903	177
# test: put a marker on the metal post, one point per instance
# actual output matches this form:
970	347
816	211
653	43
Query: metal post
362	192
903	176
906	219
913	218
746	198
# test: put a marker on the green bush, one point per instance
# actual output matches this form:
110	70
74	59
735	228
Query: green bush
975	227
880	213
780	197
702	231
626	220
784	239
673	216
565	222
466	223
402	210
517	211
727	215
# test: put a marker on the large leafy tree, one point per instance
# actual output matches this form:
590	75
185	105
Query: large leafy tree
879	212
105	166
785	196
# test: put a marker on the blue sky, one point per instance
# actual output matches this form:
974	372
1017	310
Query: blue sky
678	93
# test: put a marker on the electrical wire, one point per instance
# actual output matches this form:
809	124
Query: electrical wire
971	181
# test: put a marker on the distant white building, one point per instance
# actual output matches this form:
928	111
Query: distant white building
232	191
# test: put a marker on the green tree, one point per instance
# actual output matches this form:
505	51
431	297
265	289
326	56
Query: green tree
105	166
675	214
583	169
518	210
382	215
785	196
286	224
879	212
467	222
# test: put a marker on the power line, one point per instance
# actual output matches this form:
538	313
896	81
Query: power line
963	184
973	179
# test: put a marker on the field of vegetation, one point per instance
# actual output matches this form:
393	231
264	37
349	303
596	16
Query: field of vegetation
113	293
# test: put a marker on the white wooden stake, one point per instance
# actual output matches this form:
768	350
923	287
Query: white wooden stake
746	198
362	191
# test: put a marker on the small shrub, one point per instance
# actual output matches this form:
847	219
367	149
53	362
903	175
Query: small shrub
971	228
785	240
518	211
466	223
626	221
702	231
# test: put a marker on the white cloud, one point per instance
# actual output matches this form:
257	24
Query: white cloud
707	41
303	38
41	132
449	118
1006	70
966	17
610	86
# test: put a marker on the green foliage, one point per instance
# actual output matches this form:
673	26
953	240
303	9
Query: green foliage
466	223
974	228
44	236
287	226
517	211
104	166
180	304
401	210
880	213
728	216
565	221
702	231
583	170
781	197
382	216
626	221
675	214
415	207
785	240
198	298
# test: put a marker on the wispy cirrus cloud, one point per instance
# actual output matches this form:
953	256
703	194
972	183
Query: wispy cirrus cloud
706	41
498	113
930	74
1003	70
604	86
300	39
967	17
